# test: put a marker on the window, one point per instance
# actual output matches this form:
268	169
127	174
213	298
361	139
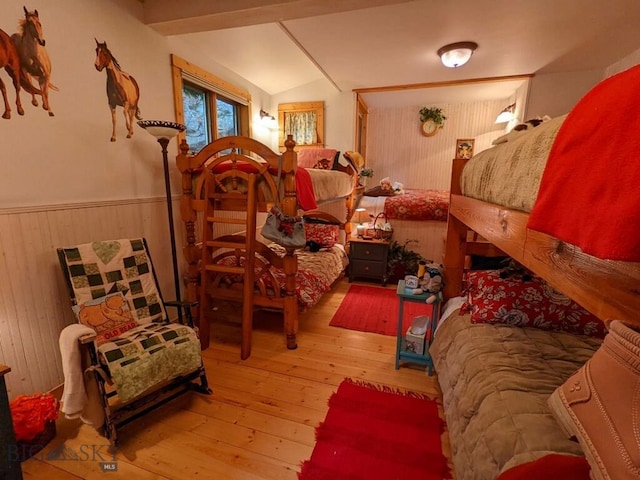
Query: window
303	120
209	107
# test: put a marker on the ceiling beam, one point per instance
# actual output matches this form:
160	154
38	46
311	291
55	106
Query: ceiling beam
447	83
169	17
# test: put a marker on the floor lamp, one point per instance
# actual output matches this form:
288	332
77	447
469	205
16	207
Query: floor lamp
164	132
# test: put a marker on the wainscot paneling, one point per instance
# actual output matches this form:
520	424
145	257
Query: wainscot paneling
34	305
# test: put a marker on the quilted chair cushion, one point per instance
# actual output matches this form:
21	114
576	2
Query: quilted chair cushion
101	268
149	354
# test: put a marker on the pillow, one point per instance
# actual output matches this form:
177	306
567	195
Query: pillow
109	316
531	303
309	157
323	234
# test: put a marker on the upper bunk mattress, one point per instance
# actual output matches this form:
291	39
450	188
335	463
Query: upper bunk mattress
509	173
330	184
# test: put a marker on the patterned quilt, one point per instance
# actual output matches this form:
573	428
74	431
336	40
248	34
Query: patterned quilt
413	204
316	273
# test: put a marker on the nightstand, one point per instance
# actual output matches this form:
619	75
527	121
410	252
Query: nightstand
368	259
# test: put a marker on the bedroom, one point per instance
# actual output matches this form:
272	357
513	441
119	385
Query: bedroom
87	187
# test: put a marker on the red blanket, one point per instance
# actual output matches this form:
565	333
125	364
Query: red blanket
590	191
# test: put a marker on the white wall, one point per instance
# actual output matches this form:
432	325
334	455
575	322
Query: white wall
338	111
555	94
65	183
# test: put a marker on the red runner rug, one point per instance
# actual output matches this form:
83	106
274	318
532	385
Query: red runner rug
375	309
375	433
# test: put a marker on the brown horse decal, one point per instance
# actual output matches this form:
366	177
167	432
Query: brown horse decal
10	60
34	59
122	89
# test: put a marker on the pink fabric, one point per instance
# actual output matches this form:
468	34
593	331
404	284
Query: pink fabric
589	192
309	157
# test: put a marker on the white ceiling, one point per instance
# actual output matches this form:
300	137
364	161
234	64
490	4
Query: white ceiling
280	45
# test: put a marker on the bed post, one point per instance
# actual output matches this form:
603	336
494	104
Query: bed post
290	207
454	254
189	217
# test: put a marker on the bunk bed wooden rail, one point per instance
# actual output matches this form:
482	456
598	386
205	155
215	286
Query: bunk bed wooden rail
195	170
608	289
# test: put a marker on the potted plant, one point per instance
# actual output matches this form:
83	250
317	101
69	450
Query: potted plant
432	119
402	261
365	174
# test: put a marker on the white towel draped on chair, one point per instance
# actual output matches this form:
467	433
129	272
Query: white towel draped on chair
80	397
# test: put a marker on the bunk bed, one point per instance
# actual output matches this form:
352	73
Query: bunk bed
226	189
496	376
417	215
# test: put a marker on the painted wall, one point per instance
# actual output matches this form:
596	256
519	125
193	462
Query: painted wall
64	182
555	94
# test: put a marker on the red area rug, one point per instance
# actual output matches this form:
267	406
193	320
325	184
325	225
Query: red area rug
375	309
375	433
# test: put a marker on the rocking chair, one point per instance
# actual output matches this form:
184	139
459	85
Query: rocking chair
139	359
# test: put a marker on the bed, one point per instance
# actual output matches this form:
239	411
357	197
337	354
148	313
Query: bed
508	216
415	214
226	189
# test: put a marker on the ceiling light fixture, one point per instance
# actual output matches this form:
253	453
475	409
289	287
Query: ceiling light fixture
456	54
264	114
507	114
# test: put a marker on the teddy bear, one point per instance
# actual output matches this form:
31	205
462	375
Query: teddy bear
433	281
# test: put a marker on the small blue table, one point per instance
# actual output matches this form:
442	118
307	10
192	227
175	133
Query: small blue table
401	351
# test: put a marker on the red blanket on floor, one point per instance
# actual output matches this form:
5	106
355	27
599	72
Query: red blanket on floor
590	191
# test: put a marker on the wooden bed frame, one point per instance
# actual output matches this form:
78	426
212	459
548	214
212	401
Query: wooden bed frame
608	289
236	190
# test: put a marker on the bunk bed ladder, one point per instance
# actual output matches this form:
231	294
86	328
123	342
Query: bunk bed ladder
213	244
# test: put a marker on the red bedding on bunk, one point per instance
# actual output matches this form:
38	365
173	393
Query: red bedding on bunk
418	205
589	194
304	188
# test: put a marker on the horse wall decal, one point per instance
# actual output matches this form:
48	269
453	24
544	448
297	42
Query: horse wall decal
122	89
35	63
10	60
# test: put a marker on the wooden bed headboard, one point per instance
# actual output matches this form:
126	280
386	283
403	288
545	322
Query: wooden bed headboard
608	289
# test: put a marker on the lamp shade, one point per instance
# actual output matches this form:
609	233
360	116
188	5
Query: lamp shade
507	114
361	216
456	54
161	128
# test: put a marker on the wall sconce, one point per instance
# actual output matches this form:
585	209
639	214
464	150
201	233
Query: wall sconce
266	115
361	217
507	114
456	54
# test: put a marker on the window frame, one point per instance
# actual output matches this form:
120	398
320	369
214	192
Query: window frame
301	107
183	70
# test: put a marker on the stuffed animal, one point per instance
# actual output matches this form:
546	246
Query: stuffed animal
433	281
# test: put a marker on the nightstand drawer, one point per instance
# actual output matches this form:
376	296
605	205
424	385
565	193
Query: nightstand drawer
361	268
369	251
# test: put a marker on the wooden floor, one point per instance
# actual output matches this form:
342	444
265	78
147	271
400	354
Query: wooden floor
260	421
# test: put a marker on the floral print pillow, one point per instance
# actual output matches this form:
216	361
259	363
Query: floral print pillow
324	235
528	302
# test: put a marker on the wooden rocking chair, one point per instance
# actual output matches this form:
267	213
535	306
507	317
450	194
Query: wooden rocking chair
140	360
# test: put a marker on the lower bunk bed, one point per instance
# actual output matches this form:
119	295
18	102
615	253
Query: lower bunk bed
228	187
488	372
418	217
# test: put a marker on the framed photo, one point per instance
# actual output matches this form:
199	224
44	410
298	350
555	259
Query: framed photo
464	148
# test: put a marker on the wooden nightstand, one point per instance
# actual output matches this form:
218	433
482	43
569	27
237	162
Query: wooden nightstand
368	259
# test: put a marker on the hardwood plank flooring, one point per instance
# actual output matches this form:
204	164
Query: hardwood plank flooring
259	424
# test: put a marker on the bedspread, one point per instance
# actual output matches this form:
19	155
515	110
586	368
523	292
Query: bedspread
316	273
414	204
509	174
495	382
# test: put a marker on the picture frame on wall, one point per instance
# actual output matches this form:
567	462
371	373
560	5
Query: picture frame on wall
464	147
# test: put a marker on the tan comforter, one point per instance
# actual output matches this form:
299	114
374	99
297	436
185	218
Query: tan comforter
509	173
495	382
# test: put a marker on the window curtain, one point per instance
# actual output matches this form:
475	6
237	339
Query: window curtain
302	126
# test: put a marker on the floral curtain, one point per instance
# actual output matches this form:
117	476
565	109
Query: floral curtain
302	126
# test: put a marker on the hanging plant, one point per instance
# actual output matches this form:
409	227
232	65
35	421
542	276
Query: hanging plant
432	113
